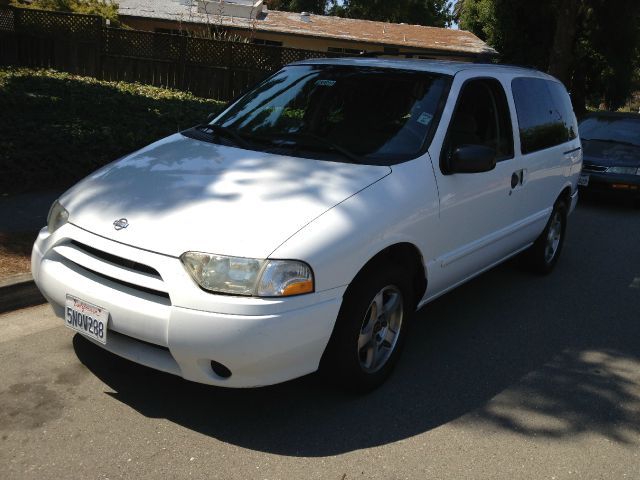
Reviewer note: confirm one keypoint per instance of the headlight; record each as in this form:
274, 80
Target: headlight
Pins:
57, 217
281, 278
249, 276
624, 170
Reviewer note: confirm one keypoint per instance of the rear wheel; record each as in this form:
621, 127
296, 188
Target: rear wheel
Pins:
370, 329
543, 255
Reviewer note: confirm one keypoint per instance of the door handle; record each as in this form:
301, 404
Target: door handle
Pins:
517, 178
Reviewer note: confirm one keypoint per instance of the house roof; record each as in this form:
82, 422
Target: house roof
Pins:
393, 34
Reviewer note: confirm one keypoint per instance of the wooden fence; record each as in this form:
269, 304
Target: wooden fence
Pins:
82, 44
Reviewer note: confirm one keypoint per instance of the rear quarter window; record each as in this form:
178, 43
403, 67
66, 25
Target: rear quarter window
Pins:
545, 114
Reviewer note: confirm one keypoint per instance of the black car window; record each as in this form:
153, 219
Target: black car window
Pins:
481, 118
545, 115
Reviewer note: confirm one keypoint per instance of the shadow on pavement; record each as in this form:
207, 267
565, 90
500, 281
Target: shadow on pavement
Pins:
547, 356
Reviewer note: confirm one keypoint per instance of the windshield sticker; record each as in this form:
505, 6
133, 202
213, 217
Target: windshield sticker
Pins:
425, 118
325, 83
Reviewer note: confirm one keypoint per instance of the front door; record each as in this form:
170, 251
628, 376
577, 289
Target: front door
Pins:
477, 215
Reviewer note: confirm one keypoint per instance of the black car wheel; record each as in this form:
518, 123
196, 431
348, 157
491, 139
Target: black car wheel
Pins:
543, 255
370, 329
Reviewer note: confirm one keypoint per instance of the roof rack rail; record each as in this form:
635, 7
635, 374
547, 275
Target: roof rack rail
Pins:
478, 58
516, 65
484, 58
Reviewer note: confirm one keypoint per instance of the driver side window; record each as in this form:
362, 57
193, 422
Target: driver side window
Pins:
481, 118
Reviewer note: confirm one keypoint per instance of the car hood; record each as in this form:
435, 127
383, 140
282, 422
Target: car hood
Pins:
610, 154
181, 194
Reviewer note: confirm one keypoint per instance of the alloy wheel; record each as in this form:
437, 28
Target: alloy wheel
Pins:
380, 329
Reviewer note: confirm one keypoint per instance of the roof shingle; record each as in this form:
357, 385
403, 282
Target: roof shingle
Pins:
399, 35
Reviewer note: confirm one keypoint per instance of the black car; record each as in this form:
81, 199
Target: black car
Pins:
611, 146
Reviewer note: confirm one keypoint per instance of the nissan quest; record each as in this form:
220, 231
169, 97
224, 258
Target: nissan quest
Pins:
301, 228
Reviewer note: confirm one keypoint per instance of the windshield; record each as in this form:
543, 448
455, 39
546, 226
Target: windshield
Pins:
345, 113
611, 129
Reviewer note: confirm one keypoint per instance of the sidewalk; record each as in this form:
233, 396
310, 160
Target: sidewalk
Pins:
21, 215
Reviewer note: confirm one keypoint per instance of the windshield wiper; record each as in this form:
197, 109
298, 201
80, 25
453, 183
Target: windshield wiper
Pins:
605, 140
276, 139
317, 140
224, 132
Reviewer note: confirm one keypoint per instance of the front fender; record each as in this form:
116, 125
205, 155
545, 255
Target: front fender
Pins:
400, 208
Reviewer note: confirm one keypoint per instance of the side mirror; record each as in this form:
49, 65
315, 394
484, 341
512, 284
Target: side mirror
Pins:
472, 159
210, 117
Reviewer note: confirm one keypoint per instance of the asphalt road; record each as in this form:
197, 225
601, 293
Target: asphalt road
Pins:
511, 376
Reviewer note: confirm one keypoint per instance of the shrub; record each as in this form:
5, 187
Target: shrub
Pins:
56, 128
103, 8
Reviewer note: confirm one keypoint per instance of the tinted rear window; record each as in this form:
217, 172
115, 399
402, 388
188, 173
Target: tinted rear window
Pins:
545, 115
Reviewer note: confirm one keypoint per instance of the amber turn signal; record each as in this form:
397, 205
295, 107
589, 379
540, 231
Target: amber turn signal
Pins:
298, 288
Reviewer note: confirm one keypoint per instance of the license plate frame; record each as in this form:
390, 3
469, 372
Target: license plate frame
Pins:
86, 318
583, 180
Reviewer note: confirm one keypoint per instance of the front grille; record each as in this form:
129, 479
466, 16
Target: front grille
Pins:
138, 288
137, 279
122, 262
593, 168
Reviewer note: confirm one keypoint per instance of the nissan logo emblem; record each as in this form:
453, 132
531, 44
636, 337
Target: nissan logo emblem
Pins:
120, 224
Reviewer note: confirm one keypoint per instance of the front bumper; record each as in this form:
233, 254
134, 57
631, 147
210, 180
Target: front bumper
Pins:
167, 322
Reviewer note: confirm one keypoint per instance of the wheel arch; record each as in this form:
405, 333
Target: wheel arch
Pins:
409, 257
332, 363
565, 196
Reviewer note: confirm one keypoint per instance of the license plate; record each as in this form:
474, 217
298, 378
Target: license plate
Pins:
583, 181
86, 318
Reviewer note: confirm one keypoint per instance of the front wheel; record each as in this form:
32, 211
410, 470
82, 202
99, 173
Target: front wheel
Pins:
543, 255
370, 329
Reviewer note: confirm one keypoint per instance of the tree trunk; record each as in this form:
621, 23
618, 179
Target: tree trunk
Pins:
561, 58
579, 89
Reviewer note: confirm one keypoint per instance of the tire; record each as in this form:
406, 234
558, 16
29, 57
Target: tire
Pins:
370, 329
543, 255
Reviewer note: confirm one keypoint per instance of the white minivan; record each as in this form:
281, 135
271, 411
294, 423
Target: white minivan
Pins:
301, 228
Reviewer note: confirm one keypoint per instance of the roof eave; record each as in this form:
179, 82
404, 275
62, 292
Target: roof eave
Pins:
489, 53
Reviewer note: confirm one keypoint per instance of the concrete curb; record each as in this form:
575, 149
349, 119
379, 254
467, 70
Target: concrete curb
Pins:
19, 291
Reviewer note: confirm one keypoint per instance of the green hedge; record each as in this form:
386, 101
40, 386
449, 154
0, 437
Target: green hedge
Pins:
103, 8
55, 128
